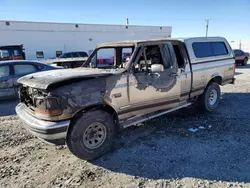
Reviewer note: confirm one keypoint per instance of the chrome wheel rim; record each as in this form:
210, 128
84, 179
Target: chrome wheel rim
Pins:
94, 135
213, 96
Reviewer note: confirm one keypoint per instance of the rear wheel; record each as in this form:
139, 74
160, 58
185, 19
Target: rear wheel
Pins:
67, 65
244, 63
210, 99
92, 135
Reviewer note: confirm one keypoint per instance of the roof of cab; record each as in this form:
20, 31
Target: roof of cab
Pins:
135, 42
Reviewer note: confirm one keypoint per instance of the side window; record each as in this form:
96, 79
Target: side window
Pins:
58, 53
237, 52
39, 54
83, 54
24, 69
68, 55
75, 54
202, 49
241, 52
40, 66
219, 48
151, 55
5, 53
16, 53
4, 71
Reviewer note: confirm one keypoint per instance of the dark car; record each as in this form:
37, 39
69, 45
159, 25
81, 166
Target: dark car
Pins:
10, 71
73, 55
241, 57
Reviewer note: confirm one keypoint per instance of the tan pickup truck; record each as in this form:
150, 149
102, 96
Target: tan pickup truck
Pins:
85, 107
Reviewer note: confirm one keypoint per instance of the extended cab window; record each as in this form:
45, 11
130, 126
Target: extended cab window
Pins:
208, 49
219, 48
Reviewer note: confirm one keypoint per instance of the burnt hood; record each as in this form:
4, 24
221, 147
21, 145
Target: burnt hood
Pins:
43, 80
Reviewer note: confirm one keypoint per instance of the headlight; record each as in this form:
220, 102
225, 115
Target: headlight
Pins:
47, 106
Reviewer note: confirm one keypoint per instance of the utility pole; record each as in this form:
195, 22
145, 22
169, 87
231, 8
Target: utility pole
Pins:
127, 22
240, 44
207, 21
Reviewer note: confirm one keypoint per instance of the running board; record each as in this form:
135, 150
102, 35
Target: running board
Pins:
138, 119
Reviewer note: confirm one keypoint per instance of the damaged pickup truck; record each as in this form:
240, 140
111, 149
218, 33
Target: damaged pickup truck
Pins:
85, 107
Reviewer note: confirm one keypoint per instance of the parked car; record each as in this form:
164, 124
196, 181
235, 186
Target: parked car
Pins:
12, 52
69, 59
85, 107
73, 55
241, 57
10, 71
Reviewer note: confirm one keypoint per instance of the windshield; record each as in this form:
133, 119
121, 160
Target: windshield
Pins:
111, 57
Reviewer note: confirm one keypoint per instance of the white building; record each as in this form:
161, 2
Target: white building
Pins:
50, 38
243, 44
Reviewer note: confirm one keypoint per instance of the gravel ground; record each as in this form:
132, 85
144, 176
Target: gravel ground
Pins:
160, 153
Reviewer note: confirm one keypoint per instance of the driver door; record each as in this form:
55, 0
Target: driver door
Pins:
151, 90
6, 82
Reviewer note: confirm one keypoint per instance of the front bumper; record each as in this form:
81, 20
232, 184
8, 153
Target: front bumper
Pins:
48, 131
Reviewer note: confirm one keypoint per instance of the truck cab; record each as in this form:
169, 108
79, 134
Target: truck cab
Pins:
12, 52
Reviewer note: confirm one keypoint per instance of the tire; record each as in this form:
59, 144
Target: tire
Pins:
67, 65
92, 134
210, 98
244, 63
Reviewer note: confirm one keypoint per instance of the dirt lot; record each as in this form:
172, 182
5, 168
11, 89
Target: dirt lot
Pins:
160, 153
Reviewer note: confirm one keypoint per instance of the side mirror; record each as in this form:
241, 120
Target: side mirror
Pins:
157, 68
1, 54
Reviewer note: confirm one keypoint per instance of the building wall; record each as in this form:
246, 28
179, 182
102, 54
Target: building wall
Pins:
65, 37
245, 45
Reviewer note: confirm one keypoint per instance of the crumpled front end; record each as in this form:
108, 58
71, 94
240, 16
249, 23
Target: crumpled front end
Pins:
47, 113
48, 131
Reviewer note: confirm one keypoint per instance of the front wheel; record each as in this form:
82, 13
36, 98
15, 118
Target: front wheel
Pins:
244, 63
91, 135
210, 99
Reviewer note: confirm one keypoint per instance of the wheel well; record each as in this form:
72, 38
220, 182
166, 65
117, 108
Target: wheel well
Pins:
105, 107
217, 79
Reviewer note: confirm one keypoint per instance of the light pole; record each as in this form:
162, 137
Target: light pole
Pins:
239, 43
207, 25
